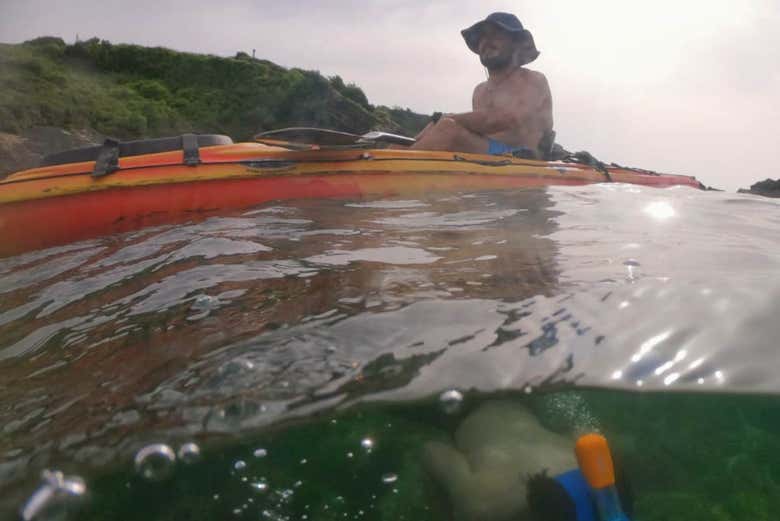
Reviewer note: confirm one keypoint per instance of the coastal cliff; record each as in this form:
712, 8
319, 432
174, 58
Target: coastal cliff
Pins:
55, 96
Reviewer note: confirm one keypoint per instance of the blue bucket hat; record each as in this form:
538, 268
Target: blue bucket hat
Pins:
507, 22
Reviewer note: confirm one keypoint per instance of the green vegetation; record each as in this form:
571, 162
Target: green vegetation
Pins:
129, 91
700, 457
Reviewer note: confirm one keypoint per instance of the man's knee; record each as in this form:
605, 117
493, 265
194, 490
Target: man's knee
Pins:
451, 131
457, 136
448, 126
447, 134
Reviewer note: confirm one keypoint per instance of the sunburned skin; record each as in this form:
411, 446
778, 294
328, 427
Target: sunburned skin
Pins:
514, 105
496, 448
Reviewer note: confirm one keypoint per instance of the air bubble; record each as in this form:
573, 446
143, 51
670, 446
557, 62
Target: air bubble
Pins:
55, 498
239, 465
451, 401
367, 444
189, 453
389, 478
259, 486
260, 453
155, 462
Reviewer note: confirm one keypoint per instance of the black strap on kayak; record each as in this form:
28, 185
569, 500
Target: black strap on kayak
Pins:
586, 158
634, 169
107, 160
189, 143
547, 144
133, 148
603, 169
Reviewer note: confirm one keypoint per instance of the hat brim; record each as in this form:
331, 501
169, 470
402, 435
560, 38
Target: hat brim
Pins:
472, 35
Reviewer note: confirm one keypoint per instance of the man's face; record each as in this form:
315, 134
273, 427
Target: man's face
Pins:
496, 47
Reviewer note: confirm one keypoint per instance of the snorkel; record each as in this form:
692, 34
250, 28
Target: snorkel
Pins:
595, 462
587, 493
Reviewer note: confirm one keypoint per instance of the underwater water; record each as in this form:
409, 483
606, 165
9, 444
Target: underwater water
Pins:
343, 359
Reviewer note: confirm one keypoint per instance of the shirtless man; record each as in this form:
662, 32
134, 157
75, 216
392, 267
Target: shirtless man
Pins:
512, 110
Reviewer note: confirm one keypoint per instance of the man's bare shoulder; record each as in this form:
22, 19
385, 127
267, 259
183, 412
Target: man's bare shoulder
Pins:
533, 77
479, 95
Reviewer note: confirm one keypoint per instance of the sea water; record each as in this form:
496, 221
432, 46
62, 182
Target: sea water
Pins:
296, 360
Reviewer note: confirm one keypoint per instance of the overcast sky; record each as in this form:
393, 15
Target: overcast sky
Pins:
684, 86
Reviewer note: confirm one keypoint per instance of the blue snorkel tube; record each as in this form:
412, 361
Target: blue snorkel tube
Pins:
608, 505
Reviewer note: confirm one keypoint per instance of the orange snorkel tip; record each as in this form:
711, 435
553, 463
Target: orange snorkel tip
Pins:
595, 461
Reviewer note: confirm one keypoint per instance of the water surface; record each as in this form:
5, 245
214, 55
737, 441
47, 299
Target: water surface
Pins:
260, 328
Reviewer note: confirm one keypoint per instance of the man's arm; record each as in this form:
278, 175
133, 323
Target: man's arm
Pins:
545, 106
535, 102
486, 122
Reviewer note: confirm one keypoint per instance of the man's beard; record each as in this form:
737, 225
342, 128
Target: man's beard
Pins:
498, 62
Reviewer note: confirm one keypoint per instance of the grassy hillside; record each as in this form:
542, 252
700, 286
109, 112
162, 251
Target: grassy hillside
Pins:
129, 91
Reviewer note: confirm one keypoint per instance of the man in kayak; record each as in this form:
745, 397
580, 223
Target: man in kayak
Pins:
512, 110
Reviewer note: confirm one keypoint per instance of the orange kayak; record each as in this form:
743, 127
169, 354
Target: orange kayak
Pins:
112, 192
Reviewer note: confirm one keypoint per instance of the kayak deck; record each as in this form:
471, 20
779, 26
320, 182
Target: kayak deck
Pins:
60, 204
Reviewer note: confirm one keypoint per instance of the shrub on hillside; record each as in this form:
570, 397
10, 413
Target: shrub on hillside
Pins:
51, 46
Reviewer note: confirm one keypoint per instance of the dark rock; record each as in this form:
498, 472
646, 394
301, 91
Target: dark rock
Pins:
767, 188
20, 152
15, 154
